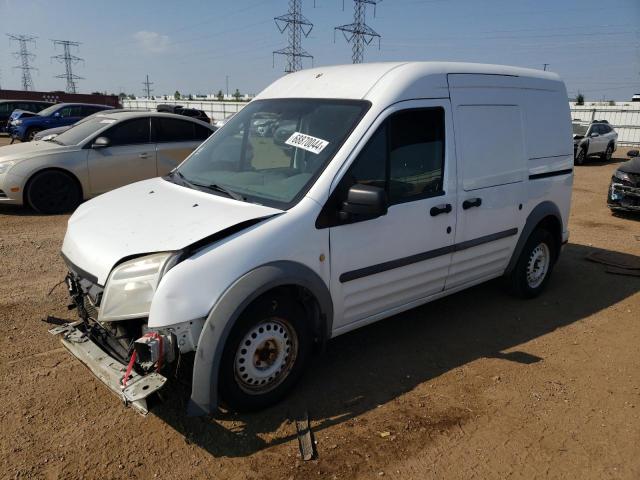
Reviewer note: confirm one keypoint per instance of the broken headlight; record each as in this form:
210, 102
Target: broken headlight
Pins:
131, 286
621, 176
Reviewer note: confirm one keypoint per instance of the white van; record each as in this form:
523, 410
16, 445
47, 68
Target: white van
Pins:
375, 189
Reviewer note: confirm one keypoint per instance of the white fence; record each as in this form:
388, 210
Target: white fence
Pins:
624, 118
214, 110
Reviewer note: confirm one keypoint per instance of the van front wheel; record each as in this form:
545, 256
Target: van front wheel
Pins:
266, 353
531, 273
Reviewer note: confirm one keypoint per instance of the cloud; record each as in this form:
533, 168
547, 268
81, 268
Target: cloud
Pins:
151, 42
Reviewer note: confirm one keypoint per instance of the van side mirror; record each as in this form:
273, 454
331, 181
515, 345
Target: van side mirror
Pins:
101, 142
364, 202
633, 153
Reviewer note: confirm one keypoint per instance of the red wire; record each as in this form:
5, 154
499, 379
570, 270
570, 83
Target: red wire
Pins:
132, 360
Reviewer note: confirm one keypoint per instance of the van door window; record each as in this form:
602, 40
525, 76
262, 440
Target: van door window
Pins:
405, 156
416, 154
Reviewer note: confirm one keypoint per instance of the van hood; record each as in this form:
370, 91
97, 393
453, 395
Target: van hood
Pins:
27, 150
145, 217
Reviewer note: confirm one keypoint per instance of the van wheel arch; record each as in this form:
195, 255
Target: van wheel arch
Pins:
283, 276
545, 215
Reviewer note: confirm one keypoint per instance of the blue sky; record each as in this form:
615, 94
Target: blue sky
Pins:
193, 45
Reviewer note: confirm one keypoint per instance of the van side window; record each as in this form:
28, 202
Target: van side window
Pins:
416, 154
405, 156
370, 166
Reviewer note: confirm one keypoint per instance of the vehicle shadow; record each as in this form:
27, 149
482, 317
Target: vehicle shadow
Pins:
23, 211
376, 364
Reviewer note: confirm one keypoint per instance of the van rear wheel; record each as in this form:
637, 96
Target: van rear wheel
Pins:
265, 354
531, 273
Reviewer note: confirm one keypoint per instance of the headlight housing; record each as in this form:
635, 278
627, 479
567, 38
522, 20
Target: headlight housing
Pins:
132, 284
621, 176
17, 122
5, 166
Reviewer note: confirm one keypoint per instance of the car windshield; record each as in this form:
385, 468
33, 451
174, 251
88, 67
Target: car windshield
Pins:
272, 150
81, 130
579, 129
49, 110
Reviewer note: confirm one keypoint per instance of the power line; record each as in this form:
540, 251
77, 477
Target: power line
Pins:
358, 33
69, 60
298, 26
25, 58
147, 87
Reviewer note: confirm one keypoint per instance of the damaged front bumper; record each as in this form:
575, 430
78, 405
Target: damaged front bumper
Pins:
110, 371
623, 197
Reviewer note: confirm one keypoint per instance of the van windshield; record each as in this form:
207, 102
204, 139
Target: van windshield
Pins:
272, 150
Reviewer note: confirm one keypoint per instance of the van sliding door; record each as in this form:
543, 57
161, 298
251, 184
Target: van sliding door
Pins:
488, 124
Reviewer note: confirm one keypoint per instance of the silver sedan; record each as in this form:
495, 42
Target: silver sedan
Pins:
95, 156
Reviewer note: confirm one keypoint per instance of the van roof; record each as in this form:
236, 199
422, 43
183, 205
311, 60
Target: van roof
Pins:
394, 81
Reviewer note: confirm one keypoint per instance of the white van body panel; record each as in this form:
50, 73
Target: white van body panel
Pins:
190, 289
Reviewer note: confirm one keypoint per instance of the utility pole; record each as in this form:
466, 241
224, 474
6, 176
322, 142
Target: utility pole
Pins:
545, 65
298, 26
25, 58
147, 87
69, 60
358, 33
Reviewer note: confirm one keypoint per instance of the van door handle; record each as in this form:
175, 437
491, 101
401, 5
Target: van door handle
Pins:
438, 209
470, 203
143, 155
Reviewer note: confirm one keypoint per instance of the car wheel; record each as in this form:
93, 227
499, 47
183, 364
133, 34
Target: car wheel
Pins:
265, 354
581, 156
31, 134
53, 191
607, 154
531, 273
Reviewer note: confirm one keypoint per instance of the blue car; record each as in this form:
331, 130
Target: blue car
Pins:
24, 125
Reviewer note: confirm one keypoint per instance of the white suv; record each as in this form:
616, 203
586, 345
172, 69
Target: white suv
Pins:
597, 138
400, 183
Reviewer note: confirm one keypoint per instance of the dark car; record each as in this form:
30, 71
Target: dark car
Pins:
61, 114
187, 112
8, 106
50, 133
624, 191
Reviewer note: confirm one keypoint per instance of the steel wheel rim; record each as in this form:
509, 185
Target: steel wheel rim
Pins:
265, 356
538, 265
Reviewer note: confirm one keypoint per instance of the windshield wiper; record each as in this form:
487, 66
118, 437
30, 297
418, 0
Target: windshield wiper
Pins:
215, 187
226, 191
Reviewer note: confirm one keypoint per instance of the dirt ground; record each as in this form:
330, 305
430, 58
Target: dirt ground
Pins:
476, 385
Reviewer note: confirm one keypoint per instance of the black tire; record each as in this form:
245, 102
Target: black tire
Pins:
607, 154
30, 134
53, 191
282, 319
581, 156
522, 282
